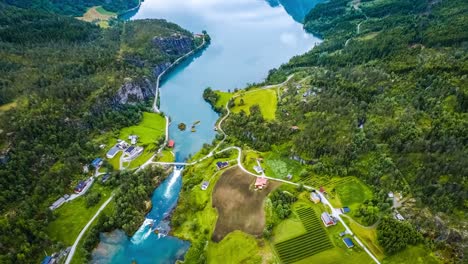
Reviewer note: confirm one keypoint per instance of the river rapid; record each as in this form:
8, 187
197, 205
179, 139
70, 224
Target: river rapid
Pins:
248, 38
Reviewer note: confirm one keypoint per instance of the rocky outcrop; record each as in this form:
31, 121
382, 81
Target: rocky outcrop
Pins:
134, 91
175, 45
158, 69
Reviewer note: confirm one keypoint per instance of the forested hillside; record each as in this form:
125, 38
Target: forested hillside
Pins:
388, 103
73, 7
61, 76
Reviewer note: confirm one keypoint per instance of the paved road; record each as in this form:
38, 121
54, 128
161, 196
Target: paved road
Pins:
155, 103
83, 231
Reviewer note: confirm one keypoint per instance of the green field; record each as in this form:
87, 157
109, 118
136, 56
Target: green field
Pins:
224, 98
236, 247
266, 99
80, 253
412, 255
288, 229
314, 241
73, 216
352, 193
279, 167
368, 236
149, 131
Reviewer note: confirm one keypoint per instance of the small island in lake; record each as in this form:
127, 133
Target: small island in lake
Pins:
182, 126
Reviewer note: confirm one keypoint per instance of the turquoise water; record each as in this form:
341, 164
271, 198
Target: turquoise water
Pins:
249, 37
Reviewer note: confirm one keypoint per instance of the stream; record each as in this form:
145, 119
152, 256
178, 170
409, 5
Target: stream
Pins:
248, 38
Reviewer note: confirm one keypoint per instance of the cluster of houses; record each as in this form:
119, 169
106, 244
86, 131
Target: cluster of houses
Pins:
130, 151
80, 188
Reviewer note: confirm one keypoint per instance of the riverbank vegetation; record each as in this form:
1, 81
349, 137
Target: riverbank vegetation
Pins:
383, 99
64, 75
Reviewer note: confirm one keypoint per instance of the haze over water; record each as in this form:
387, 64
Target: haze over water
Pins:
249, 37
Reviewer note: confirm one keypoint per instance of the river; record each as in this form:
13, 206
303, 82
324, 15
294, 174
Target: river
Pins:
249, 37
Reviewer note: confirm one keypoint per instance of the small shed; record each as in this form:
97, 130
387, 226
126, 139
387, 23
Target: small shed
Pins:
345, 210
258, 169
171, 143
205, 185
96, 162
348, 242
222, 164
105, 177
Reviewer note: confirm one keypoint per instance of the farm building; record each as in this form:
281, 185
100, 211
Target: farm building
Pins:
112, 152
345, 210
96, 162
122, 144
105, 177
133, 152
261, 182
327, 219
258, 169
205, 185
133, 139
171, 143
81, 185
222, 164
399, 217
289, 176
390, 195
58, 203
348, 242
314, 197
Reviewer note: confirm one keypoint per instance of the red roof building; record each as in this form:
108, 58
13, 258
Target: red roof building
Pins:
322, 190
171, 143
261, 182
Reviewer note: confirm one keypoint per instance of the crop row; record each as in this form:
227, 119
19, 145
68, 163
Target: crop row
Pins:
302, 247
314, 241
309, 219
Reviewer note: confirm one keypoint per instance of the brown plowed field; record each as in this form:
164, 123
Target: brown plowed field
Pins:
239, 206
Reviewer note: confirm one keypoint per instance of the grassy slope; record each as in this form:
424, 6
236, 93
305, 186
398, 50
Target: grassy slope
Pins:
266, 99
99, 14
149, 130
236, 247
412, 255
223, 99
80, 253
73, 216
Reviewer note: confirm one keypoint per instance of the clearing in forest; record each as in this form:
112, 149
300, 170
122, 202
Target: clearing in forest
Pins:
239, 206
99, 14
265, 98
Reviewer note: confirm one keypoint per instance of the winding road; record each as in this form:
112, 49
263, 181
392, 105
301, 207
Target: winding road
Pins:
83, 231
334, 211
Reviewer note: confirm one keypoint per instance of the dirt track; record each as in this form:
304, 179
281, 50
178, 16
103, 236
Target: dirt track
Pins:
239, 206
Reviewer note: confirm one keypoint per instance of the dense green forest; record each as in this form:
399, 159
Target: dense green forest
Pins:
388, 103
62, 74
73, 7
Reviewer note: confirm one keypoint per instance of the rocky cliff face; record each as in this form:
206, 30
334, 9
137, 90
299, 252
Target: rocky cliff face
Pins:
134, 90
141, 89
175, 45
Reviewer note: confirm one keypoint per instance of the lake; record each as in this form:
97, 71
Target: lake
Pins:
248, 38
